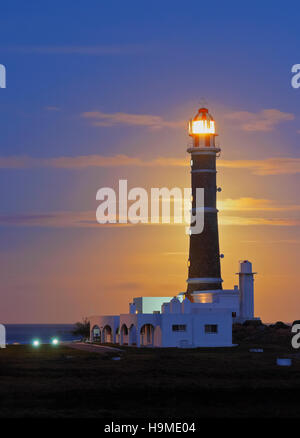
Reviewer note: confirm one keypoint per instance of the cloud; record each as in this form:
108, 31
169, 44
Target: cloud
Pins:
247, 221
85, 161
87, 219
99, 118
269, 166
264, 120
52, 108
62, 219
263, 242
249, 204
254, 204
77, 50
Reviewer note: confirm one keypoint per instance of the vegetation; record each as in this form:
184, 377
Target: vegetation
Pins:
82, 329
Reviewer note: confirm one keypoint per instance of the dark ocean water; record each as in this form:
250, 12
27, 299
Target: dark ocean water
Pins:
25, 333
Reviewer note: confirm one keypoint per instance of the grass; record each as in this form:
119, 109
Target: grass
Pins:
61, 382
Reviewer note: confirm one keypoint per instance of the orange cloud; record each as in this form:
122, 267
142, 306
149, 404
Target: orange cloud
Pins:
242, 205
254, 204
264, 120
269, 166
87, 219
85, 161
243, 221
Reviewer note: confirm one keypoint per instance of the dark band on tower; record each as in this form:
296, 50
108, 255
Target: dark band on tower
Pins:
204, 255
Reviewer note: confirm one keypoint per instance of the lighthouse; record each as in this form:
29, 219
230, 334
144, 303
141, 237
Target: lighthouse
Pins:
204, 272
203, 315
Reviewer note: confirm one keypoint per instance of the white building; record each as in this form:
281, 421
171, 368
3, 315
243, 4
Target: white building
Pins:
178, 322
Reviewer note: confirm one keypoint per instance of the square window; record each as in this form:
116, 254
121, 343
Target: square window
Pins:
211, 328
179, 328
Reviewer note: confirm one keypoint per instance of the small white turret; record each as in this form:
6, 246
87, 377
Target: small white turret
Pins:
246, 286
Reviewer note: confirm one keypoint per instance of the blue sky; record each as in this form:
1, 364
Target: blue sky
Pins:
66, 60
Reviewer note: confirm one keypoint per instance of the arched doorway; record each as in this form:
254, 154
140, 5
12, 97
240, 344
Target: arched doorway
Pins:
96, 333
132, 335
124, 335
107, 334
147, 335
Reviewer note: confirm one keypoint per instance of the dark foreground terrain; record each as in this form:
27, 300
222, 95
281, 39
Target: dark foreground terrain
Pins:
61, 382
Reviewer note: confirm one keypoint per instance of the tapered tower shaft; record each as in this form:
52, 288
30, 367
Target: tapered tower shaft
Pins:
204, 256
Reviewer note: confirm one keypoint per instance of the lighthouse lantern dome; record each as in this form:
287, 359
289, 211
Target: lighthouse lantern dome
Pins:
202, 123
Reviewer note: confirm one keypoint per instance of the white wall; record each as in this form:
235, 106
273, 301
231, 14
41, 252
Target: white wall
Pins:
195, 335
223, 319
175, 339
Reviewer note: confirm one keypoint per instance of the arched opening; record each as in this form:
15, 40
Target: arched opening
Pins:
117, 335
132, 335
124, 335
147, 335
107, 334
96, 333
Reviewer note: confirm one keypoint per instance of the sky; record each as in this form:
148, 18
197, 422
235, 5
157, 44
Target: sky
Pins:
101, 91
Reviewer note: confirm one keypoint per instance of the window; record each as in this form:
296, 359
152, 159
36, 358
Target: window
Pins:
211, 328
179, 328
207, 140
233, 314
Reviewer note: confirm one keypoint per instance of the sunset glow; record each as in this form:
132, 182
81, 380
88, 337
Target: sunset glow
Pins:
99, 107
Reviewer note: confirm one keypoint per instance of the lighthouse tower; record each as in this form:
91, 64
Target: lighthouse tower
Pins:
204, 273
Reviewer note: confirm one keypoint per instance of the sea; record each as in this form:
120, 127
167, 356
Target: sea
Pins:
26, 333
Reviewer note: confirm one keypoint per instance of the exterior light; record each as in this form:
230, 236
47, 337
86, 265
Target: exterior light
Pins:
55, 341
202, 127
202, 123
36, 343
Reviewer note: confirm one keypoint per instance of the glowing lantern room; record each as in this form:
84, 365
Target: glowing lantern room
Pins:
202, 129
